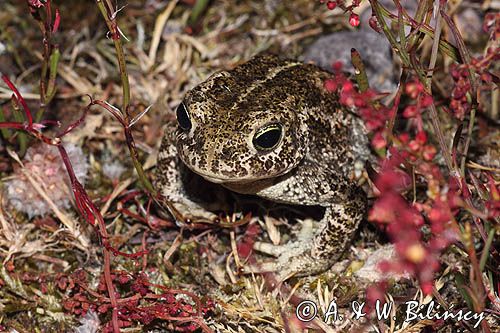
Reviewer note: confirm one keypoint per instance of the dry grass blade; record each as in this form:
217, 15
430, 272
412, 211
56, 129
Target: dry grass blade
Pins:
158, 30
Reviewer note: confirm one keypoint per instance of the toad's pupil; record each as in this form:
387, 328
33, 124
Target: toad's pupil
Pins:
183, 117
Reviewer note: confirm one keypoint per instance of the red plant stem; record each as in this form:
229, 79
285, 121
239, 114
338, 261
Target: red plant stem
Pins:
76, 123
111, 289
48, 10
32, 131
57, 21
128, 213
111, 110
145, 257
13, 125
90, 211
19, 98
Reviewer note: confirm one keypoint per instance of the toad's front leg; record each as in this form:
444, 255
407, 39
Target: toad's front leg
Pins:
175, 183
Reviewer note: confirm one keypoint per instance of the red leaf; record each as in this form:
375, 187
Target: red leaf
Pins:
57, 21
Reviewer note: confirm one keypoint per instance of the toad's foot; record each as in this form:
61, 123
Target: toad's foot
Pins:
294, 258
191, 212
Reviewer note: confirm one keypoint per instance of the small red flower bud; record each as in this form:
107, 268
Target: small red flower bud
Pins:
331, 5
414, 145
337, 66
426, 101
421, 137
378, 141
404, 137
410, 111
429, 152
354, 20
412, 89
330, 85
427, 287
347, 87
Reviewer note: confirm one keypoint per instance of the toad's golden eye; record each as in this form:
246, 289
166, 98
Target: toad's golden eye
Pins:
267, 137
183, 117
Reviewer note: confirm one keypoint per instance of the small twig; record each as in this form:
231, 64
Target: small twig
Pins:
395, 106
434, 52
377, 10
428, 84
120, 55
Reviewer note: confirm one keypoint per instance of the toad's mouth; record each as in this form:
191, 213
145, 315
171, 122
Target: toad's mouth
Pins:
232, 179
242, 184
229, 177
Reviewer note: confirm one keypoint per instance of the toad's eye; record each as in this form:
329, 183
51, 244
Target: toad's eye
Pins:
267, 137
183, 117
